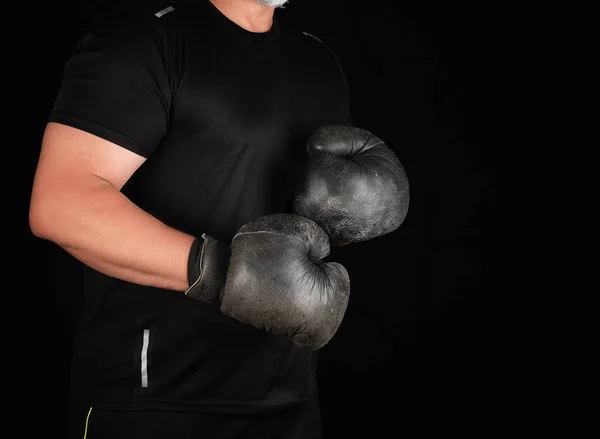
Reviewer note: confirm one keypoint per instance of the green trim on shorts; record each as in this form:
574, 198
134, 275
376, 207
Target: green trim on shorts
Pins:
86, 422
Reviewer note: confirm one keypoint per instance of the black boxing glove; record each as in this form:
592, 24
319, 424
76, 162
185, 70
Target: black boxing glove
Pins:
208, 261
353, 185
277, 280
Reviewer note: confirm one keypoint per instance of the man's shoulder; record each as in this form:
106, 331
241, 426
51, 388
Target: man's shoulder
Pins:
311, 35
310, 40
136, 14
300, 34
149, 8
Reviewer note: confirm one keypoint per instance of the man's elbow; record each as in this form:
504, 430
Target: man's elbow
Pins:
47, 215
39, 221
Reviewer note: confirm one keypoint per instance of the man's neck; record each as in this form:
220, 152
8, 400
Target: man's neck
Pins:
248, 14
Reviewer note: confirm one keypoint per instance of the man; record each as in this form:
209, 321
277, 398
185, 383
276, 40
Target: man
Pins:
178, 136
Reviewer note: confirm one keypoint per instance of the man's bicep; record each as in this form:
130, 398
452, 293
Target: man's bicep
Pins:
69, 152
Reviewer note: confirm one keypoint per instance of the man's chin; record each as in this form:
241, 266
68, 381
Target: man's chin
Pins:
273, 3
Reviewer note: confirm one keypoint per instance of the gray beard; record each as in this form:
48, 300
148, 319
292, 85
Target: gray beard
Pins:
273, 3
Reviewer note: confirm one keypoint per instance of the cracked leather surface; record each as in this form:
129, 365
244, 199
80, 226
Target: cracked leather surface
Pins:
353, 185
278, 282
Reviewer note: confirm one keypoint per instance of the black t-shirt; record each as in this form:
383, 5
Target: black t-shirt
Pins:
222, 116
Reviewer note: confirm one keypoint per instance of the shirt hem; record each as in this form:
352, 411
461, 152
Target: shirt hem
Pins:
223, 408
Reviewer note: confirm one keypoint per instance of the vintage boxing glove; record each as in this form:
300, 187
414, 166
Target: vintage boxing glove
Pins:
277, 280
353, 185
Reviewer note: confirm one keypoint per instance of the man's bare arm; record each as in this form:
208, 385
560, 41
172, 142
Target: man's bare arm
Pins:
77, 204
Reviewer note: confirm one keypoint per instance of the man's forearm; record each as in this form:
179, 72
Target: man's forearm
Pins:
109, 233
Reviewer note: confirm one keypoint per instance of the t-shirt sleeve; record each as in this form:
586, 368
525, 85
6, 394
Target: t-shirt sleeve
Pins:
349, 121
116, 85
342, 73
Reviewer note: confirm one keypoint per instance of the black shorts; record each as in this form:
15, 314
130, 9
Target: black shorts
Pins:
295, 423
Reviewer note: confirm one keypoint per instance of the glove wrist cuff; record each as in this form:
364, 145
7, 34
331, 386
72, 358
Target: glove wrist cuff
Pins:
194, 264
207, 267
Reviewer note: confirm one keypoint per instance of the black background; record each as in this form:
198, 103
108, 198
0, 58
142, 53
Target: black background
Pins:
443, 335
